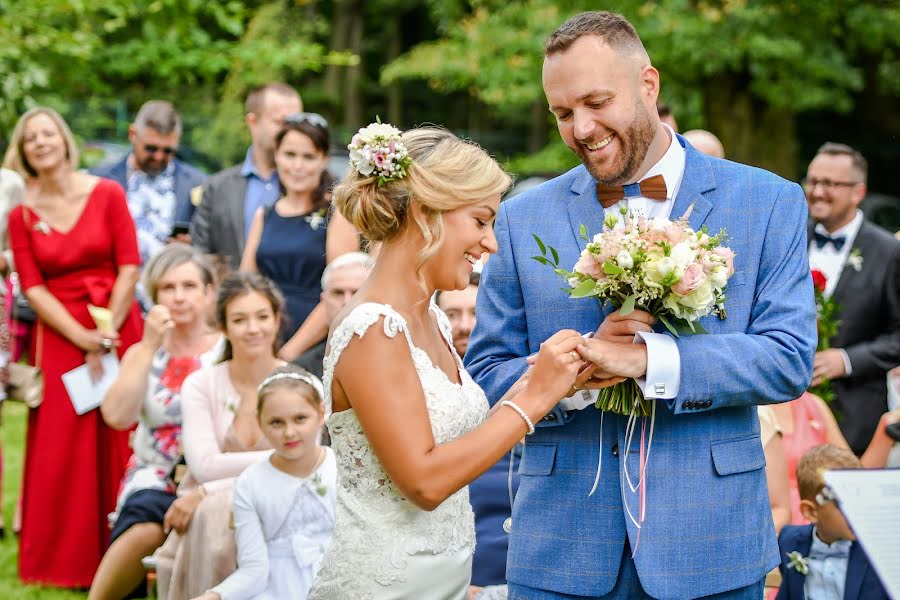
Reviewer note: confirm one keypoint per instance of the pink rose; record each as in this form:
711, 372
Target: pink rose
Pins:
379, 160
674, 234
588, 265
728, 255
693, 276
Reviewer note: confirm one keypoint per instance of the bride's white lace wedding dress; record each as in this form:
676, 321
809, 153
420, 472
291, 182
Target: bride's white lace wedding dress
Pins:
384, 547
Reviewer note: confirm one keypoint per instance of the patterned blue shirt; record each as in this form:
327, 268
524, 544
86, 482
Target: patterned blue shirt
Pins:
151, 200
827, 569
260, 192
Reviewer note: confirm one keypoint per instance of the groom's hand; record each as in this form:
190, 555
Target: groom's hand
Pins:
613, 360
617, 328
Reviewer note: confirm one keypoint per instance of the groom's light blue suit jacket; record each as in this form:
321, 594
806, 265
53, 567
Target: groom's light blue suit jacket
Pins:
708, 525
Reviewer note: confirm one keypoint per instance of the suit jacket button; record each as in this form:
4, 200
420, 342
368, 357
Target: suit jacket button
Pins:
615, 450
708, 403
685, 405
549, 417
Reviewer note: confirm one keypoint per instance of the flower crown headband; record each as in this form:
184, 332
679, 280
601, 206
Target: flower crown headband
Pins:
377, 151
309, 379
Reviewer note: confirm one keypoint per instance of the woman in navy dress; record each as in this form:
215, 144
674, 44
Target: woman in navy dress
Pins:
291, 241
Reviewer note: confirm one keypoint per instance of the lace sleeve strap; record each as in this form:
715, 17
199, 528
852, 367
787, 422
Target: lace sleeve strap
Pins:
356, 323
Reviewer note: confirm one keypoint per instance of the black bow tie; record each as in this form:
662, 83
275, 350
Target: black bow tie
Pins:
822, 239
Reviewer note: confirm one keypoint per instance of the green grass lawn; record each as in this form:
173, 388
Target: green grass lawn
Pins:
13, 434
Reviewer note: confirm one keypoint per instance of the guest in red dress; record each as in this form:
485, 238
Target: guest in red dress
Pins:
74, 244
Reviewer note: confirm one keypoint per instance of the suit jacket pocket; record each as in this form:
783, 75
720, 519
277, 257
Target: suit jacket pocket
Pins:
538, 459
738, 456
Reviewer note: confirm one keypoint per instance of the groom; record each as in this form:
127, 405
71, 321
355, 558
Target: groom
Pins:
707, 530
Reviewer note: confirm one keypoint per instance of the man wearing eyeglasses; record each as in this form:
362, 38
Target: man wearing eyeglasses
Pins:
158, 186
231, 197
861, 263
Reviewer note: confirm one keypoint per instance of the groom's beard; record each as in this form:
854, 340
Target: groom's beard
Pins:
634, 143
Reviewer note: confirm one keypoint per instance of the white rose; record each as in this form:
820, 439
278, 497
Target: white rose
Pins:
701, 298
365, 167
665, 265
624, 260
718, 277
683, 254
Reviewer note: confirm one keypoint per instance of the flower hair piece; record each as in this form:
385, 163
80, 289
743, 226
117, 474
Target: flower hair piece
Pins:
307, 378
377, 151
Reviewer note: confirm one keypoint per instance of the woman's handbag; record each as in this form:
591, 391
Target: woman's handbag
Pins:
26, 383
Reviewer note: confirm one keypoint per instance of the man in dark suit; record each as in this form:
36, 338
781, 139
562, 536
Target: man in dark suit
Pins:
861, 263
158, 185
230, 198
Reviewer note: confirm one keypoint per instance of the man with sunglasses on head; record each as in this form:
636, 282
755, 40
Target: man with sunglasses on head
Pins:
231, 197
861, 263
158, 185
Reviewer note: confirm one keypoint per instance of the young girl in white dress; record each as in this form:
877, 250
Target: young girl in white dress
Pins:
283, 506
408, 425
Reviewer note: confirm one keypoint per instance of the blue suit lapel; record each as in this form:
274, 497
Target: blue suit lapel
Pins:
583, 207
797, 580
698, 178
856, 571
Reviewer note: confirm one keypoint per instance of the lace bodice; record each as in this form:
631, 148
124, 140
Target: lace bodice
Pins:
375, 523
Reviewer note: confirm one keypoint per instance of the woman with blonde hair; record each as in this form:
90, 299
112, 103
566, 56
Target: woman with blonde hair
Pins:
74, 245
177, 341
409, 427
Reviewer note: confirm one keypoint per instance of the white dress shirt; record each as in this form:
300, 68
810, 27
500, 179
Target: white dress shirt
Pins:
663, 375
831, 262
827, 575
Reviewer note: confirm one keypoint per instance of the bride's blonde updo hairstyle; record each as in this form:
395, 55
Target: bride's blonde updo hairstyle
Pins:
445, 173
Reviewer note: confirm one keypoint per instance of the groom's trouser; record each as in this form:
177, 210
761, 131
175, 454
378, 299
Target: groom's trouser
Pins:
628, 587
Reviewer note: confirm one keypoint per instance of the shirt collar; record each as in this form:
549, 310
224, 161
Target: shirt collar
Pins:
670, 166
248, 169
130, 169
819, 549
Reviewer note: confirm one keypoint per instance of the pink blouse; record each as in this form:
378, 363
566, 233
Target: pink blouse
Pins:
809, 432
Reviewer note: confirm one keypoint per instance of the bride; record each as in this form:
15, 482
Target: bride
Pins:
408, 425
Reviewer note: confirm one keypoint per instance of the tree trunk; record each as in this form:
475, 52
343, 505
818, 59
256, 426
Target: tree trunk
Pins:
340, 33
394, 89
537, 126
751, 131
353, 111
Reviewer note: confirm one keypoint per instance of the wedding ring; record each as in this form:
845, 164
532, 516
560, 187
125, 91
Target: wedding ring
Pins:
106, 343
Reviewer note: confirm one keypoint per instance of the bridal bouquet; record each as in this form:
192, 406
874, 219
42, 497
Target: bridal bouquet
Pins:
663, 267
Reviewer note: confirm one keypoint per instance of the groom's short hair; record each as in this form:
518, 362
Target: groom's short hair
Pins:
612, 28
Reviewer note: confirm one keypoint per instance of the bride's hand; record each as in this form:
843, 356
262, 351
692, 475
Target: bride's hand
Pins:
555, 367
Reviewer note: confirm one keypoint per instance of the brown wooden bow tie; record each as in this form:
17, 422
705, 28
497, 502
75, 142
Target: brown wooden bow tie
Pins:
652, 187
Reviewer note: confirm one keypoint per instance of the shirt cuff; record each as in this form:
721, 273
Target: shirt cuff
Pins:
663, 366
579, 400
848, 368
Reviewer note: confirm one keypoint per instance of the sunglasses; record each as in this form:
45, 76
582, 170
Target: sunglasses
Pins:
153, 149
314, 119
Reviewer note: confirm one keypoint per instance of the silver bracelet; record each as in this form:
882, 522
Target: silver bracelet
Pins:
522, 414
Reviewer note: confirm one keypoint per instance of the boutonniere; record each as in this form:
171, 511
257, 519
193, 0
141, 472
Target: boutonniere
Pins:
798, 562
317, 218
319, 485
855, 260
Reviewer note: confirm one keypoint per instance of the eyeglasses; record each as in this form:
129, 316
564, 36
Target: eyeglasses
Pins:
314, 119
810, 183
153, 149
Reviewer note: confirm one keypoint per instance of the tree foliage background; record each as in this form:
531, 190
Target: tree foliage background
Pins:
773, 78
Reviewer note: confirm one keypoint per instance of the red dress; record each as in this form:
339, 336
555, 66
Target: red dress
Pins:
73, 464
